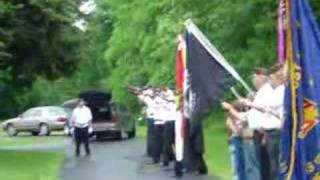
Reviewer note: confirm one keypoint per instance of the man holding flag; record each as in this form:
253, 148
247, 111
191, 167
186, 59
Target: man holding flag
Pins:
203, 75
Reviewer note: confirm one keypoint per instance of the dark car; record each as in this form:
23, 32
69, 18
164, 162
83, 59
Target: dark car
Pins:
109, 119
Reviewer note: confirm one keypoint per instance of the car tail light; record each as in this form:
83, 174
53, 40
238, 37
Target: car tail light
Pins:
61, 119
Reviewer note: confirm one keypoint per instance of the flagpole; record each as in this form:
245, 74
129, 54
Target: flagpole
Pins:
235, 93
191, 27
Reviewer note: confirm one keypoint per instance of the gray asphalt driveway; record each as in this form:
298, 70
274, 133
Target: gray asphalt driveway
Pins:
116, 160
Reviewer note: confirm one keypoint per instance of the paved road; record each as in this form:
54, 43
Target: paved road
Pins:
116, 160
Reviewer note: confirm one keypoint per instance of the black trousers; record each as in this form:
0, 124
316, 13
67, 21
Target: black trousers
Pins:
150, 132
168, 142
194, 149
157, 142
200, 164
82, 136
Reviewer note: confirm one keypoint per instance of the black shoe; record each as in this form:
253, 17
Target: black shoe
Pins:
88, 153
178, 174
156, 160
203, 171
178, 169
166, 164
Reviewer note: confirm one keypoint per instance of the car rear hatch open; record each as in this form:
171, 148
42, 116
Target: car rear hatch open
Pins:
99, 104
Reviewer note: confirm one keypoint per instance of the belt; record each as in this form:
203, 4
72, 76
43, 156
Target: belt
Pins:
273, 131
248, 140
84, 125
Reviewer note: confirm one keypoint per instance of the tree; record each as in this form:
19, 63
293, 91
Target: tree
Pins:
37, 39
142, 47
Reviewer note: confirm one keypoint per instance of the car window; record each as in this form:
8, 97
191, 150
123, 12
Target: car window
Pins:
56, 111
32, 112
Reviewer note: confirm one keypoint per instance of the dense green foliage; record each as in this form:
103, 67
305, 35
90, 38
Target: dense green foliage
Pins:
142, 47
37, 39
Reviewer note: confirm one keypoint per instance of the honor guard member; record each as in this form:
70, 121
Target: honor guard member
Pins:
159, 121
147, 97
169, 128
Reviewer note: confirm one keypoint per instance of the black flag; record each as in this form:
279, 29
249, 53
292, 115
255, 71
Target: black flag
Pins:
208, 78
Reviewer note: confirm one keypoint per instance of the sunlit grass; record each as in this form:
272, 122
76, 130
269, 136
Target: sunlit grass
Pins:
142, 131
217, 149
20, 165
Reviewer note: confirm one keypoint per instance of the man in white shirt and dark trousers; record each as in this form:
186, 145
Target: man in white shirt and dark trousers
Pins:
169, 127
147, 98
159, 121
81, 119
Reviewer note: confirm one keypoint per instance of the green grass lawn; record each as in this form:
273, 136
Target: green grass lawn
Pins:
26, 139
27, 165
142, 131
217, 154
217, 149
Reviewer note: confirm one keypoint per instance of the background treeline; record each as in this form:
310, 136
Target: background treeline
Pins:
44, 60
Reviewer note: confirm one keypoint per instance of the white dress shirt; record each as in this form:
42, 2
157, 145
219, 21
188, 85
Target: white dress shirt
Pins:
150, 104
256, 118
81, 117
276, 106
267, 97
172, 113
159, 111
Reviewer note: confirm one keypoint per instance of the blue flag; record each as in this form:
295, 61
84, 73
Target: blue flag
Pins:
300, 141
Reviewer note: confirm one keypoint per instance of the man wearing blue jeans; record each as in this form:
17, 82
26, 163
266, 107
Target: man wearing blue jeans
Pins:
237, 158
236, 151
244, 152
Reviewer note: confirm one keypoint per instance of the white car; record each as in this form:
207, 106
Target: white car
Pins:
38, 121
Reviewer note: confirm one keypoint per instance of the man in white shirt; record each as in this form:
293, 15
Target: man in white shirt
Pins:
147, 97
159, 121
245, 152
172, 114
81, 119
267, 114
154, 102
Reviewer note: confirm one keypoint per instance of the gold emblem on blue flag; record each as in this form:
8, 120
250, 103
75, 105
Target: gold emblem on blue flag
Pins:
310, 115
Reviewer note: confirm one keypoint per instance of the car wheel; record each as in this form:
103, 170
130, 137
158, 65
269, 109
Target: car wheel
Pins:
121, 135
99, 137
117, 136
11, 131
44, 130
35, 133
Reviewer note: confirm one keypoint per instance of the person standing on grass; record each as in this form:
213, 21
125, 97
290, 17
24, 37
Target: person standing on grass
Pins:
81, 119
235, 127
272, 108
244, 149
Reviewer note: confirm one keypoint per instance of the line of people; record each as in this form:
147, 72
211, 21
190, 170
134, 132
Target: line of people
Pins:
254, 124
161, 114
